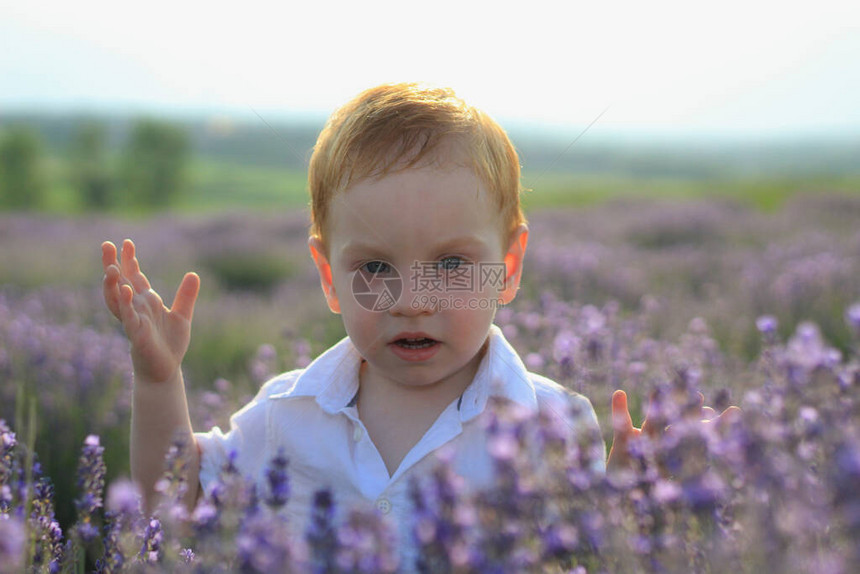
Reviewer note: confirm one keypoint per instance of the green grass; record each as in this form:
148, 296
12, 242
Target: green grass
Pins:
215, 186
551, 190
212, 186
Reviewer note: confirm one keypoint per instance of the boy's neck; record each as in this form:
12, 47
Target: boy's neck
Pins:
397, 416
393, 395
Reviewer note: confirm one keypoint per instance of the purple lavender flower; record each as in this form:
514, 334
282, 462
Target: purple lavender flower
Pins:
123, 520
321, 535
13, 544
263, 543
174, 483
232, 492
7, 445
153, 536
123, 498
263, 365
302, 351
846, 499
534, 361
113, 559
205, 515
775, 492
432, 556
565, 348
366, 545
187, 556
852, 317
703, 492
91, 480
767, 325
48, 535
443, 517
277, 481
9, 468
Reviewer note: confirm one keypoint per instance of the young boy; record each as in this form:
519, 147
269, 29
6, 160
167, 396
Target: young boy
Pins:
418, 236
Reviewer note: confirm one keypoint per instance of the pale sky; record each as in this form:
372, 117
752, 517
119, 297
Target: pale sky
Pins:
727, 67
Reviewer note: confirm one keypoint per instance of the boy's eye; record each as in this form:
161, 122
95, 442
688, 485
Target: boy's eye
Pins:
449, 263
375, 267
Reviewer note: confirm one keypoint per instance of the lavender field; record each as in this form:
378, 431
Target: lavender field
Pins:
667, 299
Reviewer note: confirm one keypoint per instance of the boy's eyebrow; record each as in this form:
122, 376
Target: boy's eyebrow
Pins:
464, 241
358, 247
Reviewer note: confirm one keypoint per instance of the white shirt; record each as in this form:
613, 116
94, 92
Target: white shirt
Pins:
311, 414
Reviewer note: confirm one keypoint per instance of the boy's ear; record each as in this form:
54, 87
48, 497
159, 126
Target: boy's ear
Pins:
324, 268
514, 263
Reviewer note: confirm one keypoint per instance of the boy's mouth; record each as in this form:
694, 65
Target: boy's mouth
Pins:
414, 347
419, 343
413, 340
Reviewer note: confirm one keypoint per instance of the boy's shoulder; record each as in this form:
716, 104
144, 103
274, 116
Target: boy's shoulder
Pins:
549, 393
280, 385
515, 380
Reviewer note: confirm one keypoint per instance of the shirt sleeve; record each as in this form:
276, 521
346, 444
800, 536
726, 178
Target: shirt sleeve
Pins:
214, 446
576, 413
588, 430
247, 439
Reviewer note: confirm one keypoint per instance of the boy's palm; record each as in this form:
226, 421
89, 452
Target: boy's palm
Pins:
159, 336
624, 431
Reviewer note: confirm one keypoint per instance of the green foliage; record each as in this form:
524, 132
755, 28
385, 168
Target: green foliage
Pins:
249, 271
261, 165
223, 185
675, 233
21, 182
155, 163
89, 167
224, 351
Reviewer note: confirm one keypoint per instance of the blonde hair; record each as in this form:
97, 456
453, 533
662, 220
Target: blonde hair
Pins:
395, 126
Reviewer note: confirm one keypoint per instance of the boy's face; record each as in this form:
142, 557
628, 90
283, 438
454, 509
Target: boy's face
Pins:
419, 253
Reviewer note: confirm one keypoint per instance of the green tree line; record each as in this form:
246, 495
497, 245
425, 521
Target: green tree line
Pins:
150, 172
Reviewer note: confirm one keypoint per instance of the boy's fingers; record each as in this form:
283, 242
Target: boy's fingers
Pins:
728, 417
622, 424
623, 430
708, 413
110, 284
129, 317
700, 400
649, 427
108, 254
131, 268
111, 289
186, 296
153, 299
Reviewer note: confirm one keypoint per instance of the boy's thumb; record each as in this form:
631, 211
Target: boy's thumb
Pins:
621, 421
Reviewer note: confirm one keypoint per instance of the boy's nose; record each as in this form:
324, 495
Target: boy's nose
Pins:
415, 300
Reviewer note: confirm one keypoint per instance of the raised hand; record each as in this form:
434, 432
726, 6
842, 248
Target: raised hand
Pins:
624, 431
159, 336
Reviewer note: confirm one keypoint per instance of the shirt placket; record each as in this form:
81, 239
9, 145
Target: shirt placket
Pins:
372, 475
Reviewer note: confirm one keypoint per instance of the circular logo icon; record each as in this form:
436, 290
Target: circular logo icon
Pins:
378, 290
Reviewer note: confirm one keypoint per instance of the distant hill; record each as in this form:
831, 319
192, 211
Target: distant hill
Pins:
288, 143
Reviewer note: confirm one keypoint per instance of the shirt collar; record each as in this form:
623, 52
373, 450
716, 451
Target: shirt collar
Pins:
332, 378
501, 374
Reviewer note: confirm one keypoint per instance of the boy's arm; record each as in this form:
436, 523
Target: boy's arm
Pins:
159, 416
159, 338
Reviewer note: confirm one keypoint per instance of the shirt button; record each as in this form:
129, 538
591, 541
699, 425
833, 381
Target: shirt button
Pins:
357, 433
383, 505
